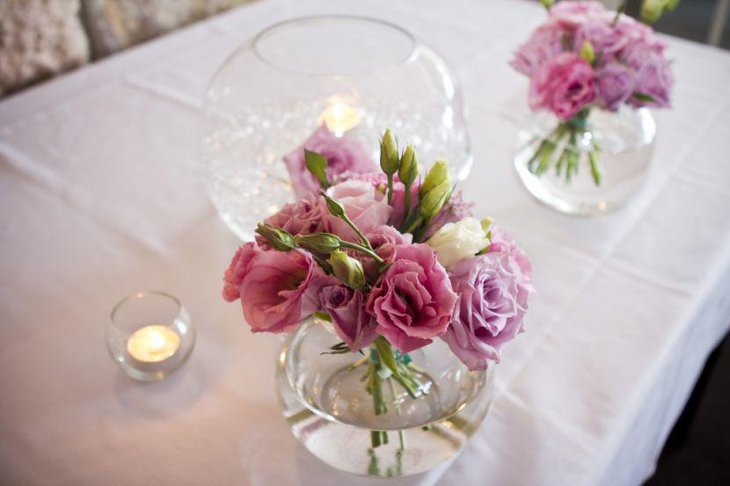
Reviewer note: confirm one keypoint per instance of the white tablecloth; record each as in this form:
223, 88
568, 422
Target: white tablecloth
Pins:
101, 193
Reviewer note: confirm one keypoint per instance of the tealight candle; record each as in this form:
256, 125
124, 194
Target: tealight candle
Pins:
340, 117
150, 335
152, 344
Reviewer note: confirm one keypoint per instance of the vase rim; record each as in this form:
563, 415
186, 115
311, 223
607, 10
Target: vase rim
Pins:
388, 55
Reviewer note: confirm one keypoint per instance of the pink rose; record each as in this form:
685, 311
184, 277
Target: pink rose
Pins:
346, 307
364, 205
271, 286
564, 86
343, 155
492, 302
301, 217
413, 301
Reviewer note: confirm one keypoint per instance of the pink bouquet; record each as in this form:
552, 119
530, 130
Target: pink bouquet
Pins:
392, 260
584, 57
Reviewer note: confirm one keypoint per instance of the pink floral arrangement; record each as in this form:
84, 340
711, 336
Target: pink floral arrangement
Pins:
586, 57
392, 260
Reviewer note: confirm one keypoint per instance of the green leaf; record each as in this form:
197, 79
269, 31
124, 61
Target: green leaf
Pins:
644, 98
317, 165
324, 317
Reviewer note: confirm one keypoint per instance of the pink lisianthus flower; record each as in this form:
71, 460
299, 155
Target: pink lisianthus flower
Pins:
343, 155
271, 285
492, 301
299, 218
412, 302
564, 86
383, 239
364, 205
570, 15
237, 270
544, 45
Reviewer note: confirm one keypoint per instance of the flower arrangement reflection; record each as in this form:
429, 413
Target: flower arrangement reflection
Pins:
583, 58
391, 259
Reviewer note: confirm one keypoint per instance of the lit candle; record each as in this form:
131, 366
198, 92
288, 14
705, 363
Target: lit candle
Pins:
340, 117
153, 344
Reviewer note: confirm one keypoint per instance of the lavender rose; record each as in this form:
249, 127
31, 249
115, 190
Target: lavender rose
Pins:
564, 86
346, 307
343, 155
492, 301
412, 302
271, 285
501, 241
615, 84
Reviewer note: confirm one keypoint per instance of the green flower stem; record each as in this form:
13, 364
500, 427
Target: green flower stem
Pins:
368, 251
412, 225
407, 202
385, 364
390, 188
595, 165
572, 156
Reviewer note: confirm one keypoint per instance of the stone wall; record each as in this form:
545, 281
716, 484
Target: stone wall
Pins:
38, 39
42, 38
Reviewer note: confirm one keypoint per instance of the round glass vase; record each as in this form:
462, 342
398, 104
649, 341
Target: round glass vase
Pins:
330, 410
620, 144
356, 75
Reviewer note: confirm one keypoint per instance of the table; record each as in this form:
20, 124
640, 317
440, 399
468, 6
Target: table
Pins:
102, 193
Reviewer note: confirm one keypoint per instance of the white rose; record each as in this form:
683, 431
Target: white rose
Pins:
456, 241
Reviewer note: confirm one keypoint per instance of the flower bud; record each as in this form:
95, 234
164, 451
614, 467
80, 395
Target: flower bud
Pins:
486, 223
278, 238
434, 200
652, 10
320, 242
408, 170
347, 269
587, 52
389, 159
335, 207
438, 174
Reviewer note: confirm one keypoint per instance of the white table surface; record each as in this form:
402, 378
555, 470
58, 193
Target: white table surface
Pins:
102, 193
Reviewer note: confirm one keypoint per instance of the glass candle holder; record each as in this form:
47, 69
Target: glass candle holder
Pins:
150, 335
356, 75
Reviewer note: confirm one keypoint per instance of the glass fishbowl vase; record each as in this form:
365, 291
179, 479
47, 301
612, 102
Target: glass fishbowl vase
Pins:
356, 75
590, 169
329, 402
